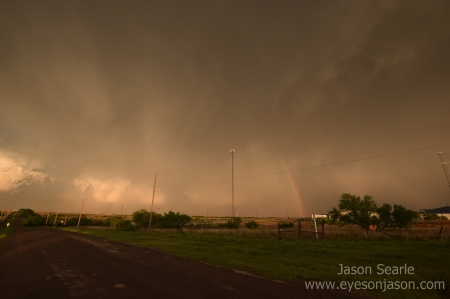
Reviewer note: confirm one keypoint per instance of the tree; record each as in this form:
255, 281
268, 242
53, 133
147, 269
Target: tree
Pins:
354, 210
142, 217
25, 213
34, 220
401, 217
384, 216
365, 212
171, 219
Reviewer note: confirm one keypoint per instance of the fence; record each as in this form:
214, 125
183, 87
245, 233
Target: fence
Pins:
300, 231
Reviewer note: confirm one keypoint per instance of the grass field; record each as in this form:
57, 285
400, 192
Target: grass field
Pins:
288, 259
6, 231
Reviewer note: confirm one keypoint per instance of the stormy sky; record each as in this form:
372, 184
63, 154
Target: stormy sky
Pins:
318, 98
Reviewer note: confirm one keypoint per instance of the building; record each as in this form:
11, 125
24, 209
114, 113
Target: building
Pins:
319, 216
444, 211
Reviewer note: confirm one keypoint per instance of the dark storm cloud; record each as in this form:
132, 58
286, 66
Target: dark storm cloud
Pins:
102, 94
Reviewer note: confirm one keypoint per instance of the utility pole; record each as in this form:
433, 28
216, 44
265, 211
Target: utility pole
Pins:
48, 215
444, 165
65, 220
256, 213
286, 213
232, 151
153, 199
207, 210
81, 211
121, 211
56, 217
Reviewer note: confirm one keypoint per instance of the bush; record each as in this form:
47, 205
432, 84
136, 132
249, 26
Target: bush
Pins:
73, 221
252, 224
171, 219
26, 213
430, 216
34, 220
286, 224
84, 221
142, 217
232, 223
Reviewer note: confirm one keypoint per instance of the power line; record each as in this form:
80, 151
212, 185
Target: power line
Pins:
312, 167
294, 143
310, 139
294, 170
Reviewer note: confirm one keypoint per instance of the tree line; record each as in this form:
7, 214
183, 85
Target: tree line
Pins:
140, 219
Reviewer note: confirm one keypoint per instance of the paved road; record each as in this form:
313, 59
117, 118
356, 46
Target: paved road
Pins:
50, 263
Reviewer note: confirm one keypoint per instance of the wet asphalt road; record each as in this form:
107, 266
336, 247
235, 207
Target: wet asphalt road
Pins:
50, 263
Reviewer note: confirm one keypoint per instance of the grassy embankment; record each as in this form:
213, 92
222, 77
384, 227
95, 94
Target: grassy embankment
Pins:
303, 259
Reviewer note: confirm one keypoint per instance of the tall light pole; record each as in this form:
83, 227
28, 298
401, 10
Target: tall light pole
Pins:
153, 199
232, 151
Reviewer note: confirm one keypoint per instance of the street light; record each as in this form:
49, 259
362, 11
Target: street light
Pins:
232, 151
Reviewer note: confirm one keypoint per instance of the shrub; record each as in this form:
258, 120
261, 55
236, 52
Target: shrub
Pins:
73, 221
234, 222
142, 217
34, 220
252, 224
286, 224
430, 216
26, 213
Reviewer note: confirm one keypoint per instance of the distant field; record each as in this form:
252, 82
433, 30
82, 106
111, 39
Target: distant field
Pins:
289, 259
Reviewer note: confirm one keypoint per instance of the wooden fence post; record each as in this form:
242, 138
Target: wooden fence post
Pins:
323, 229
299, 228
440, 231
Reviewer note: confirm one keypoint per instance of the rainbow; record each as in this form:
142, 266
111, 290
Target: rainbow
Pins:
296, 191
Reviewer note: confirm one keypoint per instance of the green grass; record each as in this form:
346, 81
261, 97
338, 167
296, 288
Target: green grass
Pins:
302, 259
6, 232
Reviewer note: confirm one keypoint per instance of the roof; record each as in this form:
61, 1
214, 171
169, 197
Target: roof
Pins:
443, 210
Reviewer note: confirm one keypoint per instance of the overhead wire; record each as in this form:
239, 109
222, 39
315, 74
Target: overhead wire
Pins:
298, 142
308, 168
